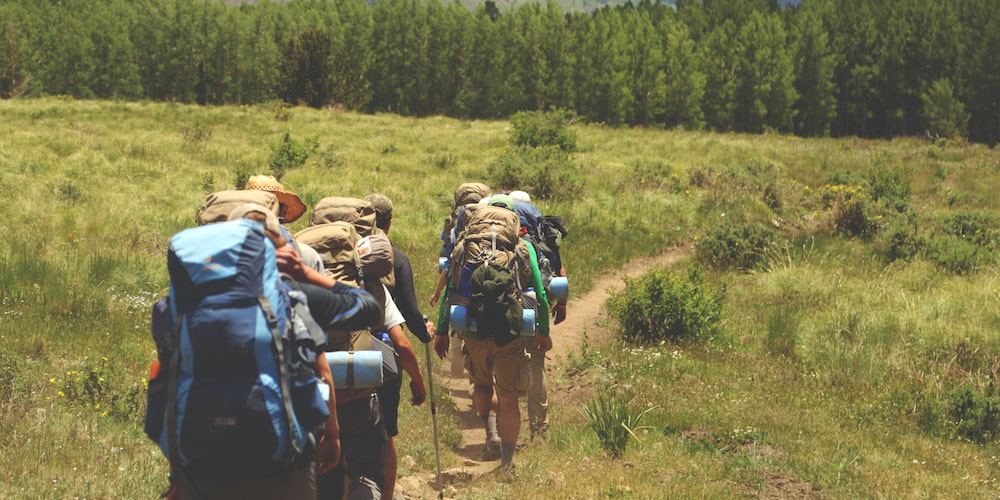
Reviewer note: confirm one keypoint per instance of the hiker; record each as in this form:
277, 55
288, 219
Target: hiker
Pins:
205, 463
489, 289
290, 208
404, 295
550, 265
343, 231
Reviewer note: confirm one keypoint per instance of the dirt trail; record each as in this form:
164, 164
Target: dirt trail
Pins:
584, 314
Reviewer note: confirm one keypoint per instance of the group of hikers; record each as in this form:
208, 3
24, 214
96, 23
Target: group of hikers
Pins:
279, 356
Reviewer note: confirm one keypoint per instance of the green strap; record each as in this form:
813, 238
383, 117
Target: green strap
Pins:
543, 300
443, 321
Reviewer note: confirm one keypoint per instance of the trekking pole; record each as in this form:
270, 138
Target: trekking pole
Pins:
430, 390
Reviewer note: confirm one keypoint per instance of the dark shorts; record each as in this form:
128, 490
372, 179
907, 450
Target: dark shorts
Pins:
363, 453
388, 398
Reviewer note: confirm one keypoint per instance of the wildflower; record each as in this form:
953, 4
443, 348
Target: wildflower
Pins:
61, 393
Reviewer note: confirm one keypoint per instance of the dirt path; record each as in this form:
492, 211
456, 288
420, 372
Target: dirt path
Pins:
584, 315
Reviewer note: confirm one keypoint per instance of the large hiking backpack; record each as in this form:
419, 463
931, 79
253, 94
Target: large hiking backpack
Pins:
354, 252
490, 268
466, 200
236, 383
544, 234
218, 205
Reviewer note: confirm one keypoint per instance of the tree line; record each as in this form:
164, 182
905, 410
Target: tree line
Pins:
877, 68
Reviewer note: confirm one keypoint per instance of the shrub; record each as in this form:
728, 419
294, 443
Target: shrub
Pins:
974, 414
614, 420
954, 254
734, 246
289, 154
538, 129
851, 211
664, 305
901, 239
888, 185
545, 172
654, 175
980, 229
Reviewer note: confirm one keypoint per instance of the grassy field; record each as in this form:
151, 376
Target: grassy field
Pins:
854, 357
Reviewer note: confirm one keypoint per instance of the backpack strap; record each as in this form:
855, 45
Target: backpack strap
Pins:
173, 446
286, 395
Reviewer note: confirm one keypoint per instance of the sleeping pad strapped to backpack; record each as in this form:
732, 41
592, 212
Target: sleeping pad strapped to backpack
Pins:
236, 383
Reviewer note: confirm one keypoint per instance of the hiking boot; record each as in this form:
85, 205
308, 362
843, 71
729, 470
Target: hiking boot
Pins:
540, 433
492, 449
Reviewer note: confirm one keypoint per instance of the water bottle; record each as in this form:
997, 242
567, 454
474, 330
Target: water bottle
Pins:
529, 302
384, 337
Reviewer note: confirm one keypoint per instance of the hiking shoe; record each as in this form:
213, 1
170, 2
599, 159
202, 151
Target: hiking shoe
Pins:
492, 449
506, 469
540, 433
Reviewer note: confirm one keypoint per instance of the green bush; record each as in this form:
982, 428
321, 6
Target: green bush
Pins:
980, 229
654, 175
734, 246
664, 305
955, 254
546, 172
888, 185
538, 129
974, 414
289, 154
901, 239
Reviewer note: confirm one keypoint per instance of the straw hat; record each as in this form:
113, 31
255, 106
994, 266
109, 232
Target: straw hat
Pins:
292, 205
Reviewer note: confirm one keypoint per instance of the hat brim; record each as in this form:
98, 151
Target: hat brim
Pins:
294, 207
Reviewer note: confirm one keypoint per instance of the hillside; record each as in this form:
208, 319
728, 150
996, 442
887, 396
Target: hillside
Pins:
834, 334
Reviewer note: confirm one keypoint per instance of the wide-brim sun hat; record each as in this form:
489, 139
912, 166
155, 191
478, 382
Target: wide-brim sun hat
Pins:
294, 206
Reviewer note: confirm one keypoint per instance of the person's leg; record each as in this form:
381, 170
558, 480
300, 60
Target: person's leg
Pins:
479, 364
538, 400
388, 396
391, 463
513, 377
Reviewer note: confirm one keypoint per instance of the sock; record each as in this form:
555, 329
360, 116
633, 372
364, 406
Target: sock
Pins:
507, 453
490, 423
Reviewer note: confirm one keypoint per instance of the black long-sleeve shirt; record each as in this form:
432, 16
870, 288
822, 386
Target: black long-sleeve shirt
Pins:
405, 297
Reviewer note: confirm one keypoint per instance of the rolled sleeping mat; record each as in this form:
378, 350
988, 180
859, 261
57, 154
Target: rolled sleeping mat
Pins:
461, 320
355, 369
559, 288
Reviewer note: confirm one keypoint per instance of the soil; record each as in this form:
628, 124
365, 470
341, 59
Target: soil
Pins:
584, 314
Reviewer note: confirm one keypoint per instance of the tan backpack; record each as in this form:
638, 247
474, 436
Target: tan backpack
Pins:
359, 212
217, 206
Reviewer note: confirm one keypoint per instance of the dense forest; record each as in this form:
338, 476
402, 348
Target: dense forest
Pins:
876, 68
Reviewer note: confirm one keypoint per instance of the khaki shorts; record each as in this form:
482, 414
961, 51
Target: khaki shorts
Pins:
505, 368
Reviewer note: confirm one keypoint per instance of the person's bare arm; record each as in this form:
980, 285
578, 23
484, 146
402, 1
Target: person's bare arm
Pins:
408, 360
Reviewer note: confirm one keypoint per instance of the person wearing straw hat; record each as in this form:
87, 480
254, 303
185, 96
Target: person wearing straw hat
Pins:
290, 208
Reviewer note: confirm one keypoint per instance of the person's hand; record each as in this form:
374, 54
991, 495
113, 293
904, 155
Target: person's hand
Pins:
290, 262
431, 329
441, 345
327, 453
543, 343
558, 313
418, 392
435, 297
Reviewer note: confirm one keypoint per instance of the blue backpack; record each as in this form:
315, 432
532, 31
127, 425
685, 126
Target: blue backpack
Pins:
234, 347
